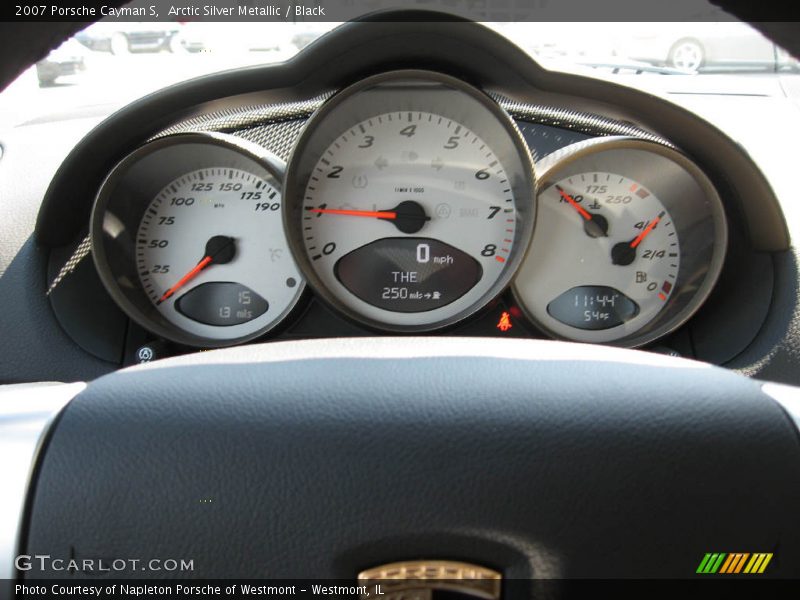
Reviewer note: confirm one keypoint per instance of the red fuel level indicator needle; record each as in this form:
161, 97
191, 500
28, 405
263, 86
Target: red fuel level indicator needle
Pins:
646, 231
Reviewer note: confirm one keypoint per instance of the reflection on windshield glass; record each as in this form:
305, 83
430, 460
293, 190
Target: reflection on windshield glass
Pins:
112, 63
672, 48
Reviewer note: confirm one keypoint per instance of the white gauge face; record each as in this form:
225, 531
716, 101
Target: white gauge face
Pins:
604, 260
212, 256
409, 218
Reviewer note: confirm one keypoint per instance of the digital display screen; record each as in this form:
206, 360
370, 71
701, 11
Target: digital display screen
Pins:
408, 274
593, 307
221, 303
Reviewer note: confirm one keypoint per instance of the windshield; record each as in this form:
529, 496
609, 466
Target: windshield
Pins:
110, 64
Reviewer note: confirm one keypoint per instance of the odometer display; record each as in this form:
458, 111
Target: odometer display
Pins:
413, 217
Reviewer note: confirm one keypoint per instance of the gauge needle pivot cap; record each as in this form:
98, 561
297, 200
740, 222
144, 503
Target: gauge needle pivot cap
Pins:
594, 225
624, 253
219, 250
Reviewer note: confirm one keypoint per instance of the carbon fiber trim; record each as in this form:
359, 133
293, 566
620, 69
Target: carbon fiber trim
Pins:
278, 138
235, 120
588, 123
276, 128
81, 252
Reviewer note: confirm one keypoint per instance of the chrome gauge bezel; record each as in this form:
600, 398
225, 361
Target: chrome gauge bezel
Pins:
126, 193
681, 186
410, 91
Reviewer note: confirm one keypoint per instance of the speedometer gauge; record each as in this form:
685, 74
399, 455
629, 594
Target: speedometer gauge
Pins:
629, 241
410, 200
188, 238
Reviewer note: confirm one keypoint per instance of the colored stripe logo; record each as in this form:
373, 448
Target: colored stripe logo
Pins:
734, 563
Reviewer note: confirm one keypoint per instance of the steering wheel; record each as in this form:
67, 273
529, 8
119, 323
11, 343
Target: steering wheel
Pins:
320, 459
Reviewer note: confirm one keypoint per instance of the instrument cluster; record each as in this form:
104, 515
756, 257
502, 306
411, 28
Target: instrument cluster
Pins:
410, 202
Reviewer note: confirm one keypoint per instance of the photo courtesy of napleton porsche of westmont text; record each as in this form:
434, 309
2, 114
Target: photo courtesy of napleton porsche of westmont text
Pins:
187, 590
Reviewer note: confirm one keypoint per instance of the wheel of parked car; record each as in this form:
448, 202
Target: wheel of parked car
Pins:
46, 79
687, 55
119, 44
175, 45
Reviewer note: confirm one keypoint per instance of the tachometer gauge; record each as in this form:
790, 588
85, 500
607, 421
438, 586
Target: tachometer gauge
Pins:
188, 238
630, 239
409, 200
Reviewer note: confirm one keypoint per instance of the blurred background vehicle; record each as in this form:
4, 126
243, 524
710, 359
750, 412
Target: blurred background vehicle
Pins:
67, 59
122, 38
119, 62
237, 37
192, 36
692, 47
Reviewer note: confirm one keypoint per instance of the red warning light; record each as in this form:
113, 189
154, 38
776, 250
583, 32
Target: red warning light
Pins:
504, 324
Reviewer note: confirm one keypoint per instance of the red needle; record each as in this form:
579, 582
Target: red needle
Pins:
375, 214
638, 239
186, 278
585, 214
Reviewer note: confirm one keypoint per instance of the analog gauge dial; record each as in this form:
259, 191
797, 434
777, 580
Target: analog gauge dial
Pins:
608, 262
202, 259
598, 228
207, 257
410, 218
442, 223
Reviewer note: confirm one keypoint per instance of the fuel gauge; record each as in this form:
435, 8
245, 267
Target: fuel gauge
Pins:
629, 240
